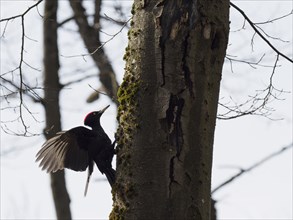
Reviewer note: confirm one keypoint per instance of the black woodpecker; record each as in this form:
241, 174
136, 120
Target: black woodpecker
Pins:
78, 148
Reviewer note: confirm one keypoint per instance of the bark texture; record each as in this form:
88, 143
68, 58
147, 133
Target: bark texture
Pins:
51, 103
168, 106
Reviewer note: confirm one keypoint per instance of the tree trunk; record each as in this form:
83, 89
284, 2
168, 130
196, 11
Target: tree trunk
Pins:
168, 105
51, 102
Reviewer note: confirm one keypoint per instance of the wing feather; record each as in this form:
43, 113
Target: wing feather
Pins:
68, 149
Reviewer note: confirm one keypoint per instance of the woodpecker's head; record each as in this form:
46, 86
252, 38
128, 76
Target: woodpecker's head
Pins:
93, 119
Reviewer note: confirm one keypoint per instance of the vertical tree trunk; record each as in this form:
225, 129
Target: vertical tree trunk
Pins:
51, 101
168, 105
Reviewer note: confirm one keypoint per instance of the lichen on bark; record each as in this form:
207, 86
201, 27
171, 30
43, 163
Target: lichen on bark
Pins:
124, 188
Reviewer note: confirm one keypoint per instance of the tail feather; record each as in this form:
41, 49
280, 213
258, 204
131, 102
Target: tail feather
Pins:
111, 175
90, 171
87, 184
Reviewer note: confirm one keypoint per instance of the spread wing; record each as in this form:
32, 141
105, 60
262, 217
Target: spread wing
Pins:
68, 149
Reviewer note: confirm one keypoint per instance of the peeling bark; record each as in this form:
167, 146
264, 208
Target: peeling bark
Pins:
166, 126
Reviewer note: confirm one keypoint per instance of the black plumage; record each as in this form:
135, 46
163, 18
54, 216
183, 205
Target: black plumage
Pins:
79, 148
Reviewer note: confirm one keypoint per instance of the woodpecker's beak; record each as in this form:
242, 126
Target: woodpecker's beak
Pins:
104, 109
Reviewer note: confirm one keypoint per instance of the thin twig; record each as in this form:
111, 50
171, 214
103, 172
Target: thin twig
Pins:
258, 32
257, 104
275, 19
102, 44
22, 106
23, 14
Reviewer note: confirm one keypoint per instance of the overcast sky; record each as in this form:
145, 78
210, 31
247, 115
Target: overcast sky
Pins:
264, 193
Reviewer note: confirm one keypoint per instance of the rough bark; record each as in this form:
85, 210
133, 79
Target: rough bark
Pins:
91, 38
168, 105
213, 210
51, 103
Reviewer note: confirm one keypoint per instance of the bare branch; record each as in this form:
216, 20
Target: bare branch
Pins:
105, 17
97, 16
78, 80
269, 36
275, 19
252, 64
119, 22
28, 90
22, 106
23, 14
8, 131
101, 45
252, 24
5, 27
65, 21
20, 77
257, 104
91, 38
257, 164
103, 93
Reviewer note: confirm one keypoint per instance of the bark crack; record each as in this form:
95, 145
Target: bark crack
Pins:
185, 67
171, 175
162, 46
173, 116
